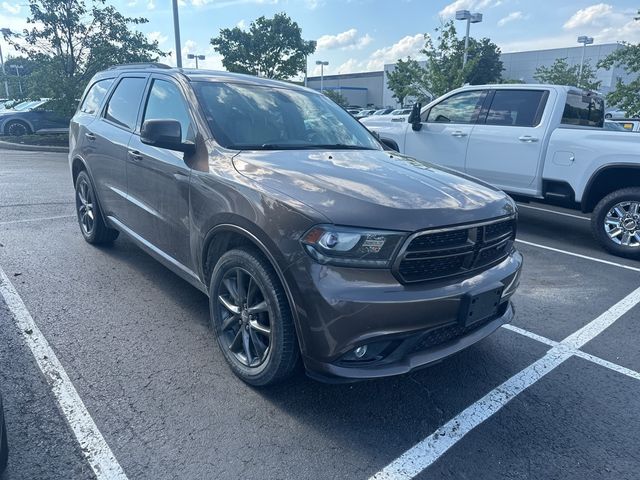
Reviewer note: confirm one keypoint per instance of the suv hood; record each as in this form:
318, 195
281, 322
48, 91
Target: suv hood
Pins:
375, 189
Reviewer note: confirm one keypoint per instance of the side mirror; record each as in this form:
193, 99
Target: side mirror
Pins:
165, 134
414, 118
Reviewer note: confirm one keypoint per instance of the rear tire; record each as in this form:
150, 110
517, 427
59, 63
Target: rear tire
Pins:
90, 219
251, 318
615, 222
16, 128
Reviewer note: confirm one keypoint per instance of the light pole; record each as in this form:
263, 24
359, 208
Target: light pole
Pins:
470, 18
322, 65
191, 56
4, 32
18, 68
176, 32
584, 40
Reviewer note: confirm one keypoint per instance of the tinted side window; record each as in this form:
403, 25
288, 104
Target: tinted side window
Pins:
123, 104
95, 95
166, 102
585, 110
518, 108
460, 108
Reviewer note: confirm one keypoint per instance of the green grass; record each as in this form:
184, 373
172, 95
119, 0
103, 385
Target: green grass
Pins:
56, 140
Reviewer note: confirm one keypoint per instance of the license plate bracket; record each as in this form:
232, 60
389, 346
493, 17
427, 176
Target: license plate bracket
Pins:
480, 305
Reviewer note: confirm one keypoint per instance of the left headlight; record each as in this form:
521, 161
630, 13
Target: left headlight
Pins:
352, 247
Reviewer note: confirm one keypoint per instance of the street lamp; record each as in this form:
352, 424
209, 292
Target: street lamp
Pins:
322, 65
470, 18
584, 40
191, 56
176, 32
5, 32
18, 68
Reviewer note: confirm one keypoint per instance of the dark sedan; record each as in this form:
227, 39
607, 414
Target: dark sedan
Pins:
32, 117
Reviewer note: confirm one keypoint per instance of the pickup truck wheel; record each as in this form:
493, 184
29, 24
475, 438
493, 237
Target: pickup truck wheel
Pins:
616, 222
251, 318
92, 226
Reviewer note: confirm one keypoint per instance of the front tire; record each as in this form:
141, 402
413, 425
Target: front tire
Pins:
251, 318
16, 128
90, 219
615, 222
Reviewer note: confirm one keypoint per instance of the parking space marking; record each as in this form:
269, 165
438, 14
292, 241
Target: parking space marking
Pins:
530, 207
92, 443
25, 220
586, 257
426, 452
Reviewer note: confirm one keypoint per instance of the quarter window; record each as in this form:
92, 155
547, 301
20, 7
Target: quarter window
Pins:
95, 95
463, 107
586, 110
167, 103
516, 108
123, 104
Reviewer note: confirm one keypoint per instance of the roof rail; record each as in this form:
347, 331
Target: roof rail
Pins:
139, 65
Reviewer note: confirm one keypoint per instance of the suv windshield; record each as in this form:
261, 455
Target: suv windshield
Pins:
254, 117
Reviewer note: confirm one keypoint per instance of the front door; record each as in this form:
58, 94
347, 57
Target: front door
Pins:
446, 128
158, 179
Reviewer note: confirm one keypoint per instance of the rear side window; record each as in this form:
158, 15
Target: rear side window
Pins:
95, 96
584, 110
167, 103
123, 104
463, 107
517, 108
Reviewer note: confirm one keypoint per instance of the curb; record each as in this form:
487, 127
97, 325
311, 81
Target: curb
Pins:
32, 148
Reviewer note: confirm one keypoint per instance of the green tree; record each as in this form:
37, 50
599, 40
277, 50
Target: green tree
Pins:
561, 73
407, 80
18, 72
71, 40
272, 47
445, 58
626, 95
337, 97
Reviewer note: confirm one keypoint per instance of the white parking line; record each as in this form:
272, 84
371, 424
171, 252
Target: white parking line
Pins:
92, 443
425, 453
24, 220
530, 207
586, 257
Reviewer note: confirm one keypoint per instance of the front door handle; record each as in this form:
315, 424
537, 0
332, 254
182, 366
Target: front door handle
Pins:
528, 139
90, 136
135, 155
458, 134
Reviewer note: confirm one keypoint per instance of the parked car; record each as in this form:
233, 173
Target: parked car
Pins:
542, 142
614, 114
33, 116
311, 241
629, 124
354, 111
383, 111
4, 445
364, 113
615, 126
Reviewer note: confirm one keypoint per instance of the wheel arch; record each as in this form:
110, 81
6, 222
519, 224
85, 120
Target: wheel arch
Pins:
608, 179
18, 119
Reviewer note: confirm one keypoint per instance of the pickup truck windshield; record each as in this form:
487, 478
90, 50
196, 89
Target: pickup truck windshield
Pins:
254, 117
584, 110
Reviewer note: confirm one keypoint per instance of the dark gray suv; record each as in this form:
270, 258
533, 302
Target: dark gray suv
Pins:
313, 243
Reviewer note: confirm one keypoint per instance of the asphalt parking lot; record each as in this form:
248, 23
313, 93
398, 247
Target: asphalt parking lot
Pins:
554, 395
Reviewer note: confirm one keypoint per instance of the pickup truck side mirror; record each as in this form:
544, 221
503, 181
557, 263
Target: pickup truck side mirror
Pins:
165, 134
414, 118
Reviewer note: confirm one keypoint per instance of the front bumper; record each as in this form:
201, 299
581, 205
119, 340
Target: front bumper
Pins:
340, 309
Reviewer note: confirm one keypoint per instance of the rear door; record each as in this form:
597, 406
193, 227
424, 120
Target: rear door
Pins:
106, 143
505, 147
446, 128
158, 179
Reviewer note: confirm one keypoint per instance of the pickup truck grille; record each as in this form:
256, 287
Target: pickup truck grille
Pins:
443, 253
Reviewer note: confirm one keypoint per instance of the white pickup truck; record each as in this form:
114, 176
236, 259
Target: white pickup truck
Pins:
543, 142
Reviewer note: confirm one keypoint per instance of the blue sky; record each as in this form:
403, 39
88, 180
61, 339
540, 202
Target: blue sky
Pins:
362, 35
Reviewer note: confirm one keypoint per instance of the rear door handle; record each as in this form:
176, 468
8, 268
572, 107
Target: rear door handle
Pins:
458, 134
90, 136
135, 155
528, 139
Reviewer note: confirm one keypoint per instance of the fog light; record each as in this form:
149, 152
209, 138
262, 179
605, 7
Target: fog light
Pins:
360, 351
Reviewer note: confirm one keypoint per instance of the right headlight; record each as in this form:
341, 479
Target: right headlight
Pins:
352, 247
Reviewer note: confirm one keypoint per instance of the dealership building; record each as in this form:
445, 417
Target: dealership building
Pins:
370, 88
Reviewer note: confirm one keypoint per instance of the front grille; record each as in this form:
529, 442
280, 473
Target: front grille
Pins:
457, 251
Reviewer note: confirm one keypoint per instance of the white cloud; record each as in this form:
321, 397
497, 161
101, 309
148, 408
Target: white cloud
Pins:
593, 15
451, 9
512, 17
351, 66
12, 9
151, 5
407, 46
231, 3
157, 37
345, 40
241, 24
604, 23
